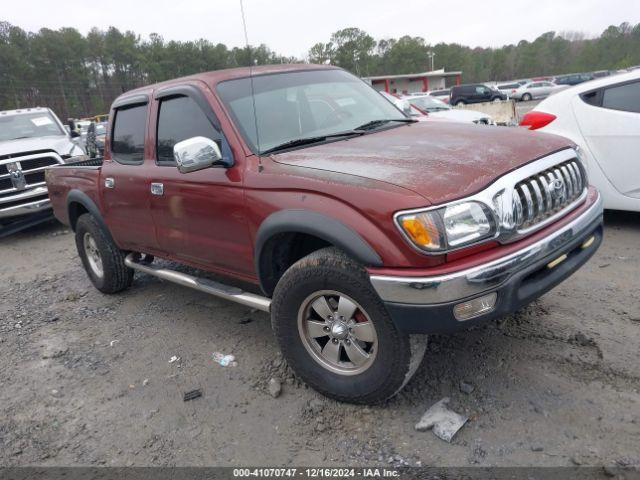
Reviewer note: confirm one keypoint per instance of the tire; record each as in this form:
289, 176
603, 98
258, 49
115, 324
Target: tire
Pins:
496, 99
460, 102
343, 373
101, 258
526, 97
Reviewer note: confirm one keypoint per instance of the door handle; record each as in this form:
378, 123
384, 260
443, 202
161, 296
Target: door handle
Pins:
109, 183
157, 189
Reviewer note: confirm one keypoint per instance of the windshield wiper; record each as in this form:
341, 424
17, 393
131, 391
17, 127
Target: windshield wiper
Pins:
376, 123
299, 142
361, 130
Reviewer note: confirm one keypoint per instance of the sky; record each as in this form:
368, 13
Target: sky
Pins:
291, 27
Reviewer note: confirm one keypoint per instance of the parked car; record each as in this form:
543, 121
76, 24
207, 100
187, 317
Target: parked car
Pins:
30, 140
405, 106
438, 109
573, 79
603, 118
95, 138
534, 90
474, 93
362, 228
441, 94
508, 88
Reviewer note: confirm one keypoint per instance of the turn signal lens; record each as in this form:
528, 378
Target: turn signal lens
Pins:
422, 229
474, 308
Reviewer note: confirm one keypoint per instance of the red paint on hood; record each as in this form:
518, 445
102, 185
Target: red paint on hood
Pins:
440, 161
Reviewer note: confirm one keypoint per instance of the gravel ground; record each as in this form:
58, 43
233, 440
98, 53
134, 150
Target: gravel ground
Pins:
86, 378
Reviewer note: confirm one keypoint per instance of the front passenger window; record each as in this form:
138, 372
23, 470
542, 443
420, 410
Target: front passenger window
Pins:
180, 118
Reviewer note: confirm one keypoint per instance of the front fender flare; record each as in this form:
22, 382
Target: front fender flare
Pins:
319, 225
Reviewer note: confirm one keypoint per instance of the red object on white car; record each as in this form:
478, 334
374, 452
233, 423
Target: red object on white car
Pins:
603, 118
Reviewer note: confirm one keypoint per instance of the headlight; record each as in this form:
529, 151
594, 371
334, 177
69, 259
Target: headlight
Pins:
448, 227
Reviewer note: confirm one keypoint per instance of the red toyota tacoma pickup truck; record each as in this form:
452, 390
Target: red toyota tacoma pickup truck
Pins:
360, 229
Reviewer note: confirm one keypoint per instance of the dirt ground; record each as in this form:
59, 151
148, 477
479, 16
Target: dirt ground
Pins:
86, 378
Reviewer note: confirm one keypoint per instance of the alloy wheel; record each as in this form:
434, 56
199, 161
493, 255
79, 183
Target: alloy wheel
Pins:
337, 332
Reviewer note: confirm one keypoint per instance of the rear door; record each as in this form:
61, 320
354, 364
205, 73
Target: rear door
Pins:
481, 94
199, 216
534, 90
545, 89
609, 119
123, 184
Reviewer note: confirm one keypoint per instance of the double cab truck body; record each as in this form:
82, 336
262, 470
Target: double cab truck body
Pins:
360, 229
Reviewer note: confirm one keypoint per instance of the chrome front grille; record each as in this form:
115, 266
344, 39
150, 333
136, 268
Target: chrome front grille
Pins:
22, 182
545, 194
23, 172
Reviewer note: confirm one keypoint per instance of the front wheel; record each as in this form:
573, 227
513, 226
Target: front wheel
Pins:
526, 97
336, 334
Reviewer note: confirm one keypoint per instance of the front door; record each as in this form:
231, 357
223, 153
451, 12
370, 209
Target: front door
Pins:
199, 216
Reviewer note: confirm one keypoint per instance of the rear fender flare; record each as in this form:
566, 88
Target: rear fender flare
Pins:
79, 197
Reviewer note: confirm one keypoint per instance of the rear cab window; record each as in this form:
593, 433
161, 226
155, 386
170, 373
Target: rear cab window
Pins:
127, 139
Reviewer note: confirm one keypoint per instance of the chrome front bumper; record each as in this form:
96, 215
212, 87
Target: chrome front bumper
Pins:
24, 203
483, 278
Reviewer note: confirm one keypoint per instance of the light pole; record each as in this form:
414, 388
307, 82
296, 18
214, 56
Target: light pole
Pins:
431, 55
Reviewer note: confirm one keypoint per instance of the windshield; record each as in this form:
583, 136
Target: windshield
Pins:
297, 105
429, 104
28, 125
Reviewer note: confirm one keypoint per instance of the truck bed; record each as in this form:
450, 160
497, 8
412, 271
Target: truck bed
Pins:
82, 177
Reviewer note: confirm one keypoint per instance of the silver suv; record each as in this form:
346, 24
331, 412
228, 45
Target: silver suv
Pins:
31, 140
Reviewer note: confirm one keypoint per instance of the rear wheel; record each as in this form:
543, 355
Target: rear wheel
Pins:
335, 332
459, 102
526, 97
101, 257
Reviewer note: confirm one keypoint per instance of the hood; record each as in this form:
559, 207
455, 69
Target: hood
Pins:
441, 161
61, 144
460, 115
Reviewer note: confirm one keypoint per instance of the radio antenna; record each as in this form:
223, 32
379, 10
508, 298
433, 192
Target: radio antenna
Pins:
253, 93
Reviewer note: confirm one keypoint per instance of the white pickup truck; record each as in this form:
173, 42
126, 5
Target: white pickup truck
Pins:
31, 140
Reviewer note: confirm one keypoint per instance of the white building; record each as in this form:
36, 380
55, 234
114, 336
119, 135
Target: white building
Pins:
415, 82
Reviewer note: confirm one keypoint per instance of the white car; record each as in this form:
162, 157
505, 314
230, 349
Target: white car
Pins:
437, 108
533, 90
443, 94
404, 106
509, 88
603, 118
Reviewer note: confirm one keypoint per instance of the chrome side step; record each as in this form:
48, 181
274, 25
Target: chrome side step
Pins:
202, 284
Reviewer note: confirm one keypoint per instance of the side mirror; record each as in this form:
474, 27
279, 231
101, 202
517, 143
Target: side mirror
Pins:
196, 153
405, 106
